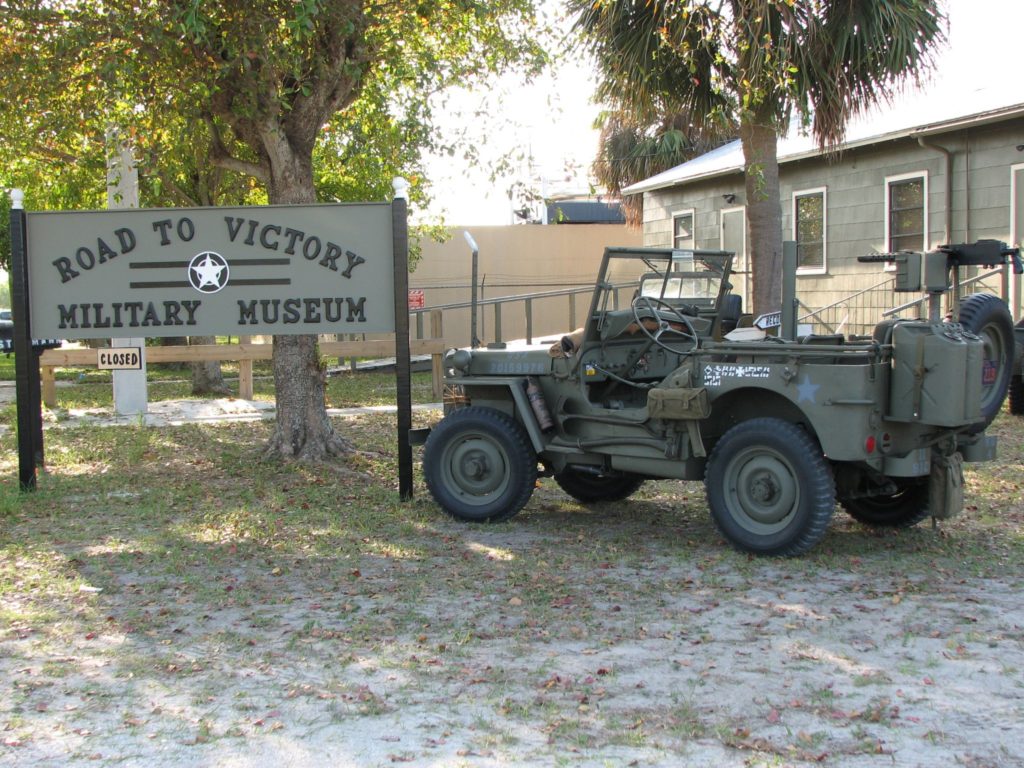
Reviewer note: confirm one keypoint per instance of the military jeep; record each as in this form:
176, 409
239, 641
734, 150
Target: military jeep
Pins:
667, 379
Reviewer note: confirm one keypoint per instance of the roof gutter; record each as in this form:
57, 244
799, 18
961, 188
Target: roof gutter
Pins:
917, 132
948, 172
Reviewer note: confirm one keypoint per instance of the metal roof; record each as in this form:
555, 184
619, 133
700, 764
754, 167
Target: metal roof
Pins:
914, 114
585, 212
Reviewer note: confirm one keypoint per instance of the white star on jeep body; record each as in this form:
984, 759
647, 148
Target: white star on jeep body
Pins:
806, 390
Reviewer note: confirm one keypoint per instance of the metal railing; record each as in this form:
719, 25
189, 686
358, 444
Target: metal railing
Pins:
978, 284
500, 303
858, 313
854, 314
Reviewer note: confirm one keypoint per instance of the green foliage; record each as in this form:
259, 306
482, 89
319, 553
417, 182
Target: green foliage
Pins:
724, 64
228, 102
203, 93
631, 149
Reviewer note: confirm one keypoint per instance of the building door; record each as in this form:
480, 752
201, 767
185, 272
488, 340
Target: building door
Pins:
734, 238
1016, 233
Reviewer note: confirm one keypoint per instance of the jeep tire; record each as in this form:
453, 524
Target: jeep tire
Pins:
987, 316
903, 509
769, 488
587, 488
479, 465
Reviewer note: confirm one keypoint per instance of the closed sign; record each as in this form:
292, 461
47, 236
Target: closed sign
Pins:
120, 359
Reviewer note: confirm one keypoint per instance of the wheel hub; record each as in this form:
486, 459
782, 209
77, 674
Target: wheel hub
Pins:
762, 489
765, 491
476, 467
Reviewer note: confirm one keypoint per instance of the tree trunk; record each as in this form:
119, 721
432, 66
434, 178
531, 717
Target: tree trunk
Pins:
764, 212
207, 377
173, 341
303, 429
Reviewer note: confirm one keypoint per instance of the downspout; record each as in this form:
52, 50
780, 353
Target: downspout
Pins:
948, 234
954, 306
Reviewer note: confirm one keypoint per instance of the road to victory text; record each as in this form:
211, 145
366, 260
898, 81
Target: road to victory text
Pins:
282, 241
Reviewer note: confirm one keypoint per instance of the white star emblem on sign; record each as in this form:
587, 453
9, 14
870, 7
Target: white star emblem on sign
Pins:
805, 390
208, 272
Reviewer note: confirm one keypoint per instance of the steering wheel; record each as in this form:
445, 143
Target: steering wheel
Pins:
654, 307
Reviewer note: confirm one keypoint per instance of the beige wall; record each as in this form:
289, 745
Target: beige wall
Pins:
515, 260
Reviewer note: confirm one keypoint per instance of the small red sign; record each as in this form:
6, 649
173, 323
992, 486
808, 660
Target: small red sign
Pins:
989, 372
416, 298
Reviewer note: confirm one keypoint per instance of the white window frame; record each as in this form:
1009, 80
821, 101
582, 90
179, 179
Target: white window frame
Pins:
1015, 236
692, 212
922, 174
823, 269
1016, 300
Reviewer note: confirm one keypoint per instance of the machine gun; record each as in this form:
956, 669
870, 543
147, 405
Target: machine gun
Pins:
943, 262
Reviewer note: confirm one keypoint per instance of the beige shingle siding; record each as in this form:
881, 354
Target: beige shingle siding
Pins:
856, 199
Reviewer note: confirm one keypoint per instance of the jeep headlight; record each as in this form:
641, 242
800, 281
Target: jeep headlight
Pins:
458, 359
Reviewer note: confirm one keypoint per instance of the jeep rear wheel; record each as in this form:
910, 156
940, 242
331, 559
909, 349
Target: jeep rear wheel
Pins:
1016, 393
479, 465
906, 507
1016, 397
769, 488
987, 316
587, 487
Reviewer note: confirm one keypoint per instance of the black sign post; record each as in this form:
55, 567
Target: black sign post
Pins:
403, 366
26, 363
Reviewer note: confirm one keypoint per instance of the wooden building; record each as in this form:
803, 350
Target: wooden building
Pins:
915, 175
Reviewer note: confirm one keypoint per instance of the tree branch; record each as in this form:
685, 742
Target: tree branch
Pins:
333, 85
221, 158
176, 191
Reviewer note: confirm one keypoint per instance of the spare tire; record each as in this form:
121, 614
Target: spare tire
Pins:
988, 317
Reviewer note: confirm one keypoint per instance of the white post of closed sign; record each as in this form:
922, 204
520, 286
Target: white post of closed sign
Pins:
119, 359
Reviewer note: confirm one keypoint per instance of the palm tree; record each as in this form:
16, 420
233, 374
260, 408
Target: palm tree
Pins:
757, 63
631, 150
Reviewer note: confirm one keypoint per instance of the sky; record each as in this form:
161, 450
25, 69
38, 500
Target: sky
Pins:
549, 121
552, 119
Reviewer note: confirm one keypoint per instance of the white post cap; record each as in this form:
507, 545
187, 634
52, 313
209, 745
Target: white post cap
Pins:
17, 199
401, 187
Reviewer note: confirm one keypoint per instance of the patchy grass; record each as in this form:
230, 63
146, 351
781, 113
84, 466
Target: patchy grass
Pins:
167, 596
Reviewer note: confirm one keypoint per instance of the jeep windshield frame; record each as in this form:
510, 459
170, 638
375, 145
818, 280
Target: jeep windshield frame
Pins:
685, 278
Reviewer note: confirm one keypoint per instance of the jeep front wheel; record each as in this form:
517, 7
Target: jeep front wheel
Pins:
479, 465
587, 487
769, 488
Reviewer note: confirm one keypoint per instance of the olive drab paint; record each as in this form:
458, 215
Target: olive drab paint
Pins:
207, 271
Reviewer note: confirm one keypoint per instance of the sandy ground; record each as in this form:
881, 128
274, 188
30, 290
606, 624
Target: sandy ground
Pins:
452, 657
163, 413
373, 662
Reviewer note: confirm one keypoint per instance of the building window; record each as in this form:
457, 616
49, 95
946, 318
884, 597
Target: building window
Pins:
906, 205
809, 227
682, 231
